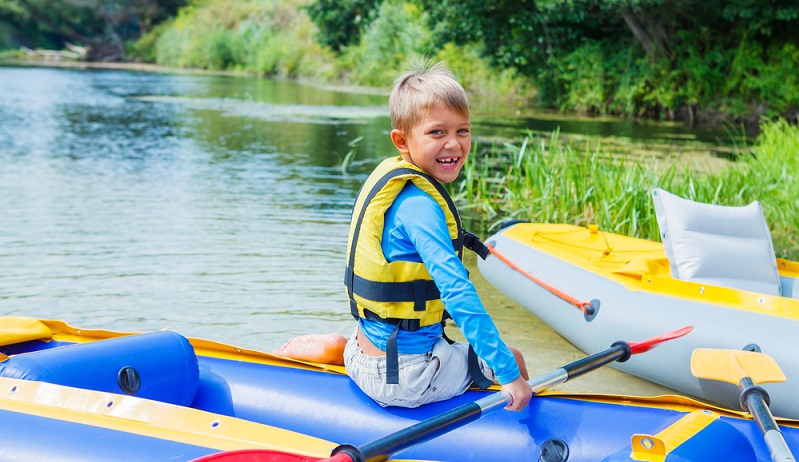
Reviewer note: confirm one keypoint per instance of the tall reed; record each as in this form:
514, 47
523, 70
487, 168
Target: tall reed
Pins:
551, 181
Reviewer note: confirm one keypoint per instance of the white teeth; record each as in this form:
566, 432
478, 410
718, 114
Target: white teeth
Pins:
447, 160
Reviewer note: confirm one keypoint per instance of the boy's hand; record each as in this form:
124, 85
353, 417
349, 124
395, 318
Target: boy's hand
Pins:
520, 392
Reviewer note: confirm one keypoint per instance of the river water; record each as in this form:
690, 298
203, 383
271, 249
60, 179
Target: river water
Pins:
216, 206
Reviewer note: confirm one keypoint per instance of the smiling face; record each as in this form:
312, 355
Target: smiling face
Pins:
438, 144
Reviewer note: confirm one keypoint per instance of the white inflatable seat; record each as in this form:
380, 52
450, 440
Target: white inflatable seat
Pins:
715, 244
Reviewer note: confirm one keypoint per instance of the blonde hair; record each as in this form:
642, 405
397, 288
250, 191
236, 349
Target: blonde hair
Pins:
424, 85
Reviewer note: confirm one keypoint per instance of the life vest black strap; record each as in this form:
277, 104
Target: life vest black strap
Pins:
444, 328
473, 243
419, 291
411, 325
476, 373
392, 358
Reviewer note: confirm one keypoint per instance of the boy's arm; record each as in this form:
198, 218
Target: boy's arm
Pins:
424, 224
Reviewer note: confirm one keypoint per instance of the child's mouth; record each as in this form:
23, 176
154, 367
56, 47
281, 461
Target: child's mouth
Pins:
447, 161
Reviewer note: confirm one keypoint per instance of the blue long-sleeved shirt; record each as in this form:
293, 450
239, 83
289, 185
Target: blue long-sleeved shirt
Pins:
416, 230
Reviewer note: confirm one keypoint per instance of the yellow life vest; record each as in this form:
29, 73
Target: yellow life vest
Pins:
399, 292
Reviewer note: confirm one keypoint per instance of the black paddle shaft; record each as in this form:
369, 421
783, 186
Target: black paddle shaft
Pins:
381, 449
620, 351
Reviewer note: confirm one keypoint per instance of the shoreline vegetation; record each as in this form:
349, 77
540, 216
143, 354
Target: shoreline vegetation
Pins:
703, 63
699, 62
550, 181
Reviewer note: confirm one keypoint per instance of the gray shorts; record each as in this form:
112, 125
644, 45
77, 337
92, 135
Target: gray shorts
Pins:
424, 378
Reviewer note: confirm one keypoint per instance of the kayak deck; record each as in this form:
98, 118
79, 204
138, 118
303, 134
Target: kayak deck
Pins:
640, 264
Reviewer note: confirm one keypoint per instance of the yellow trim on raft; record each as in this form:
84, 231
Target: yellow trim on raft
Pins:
152, 418
655, 448
677, 403
639, 264
61, 331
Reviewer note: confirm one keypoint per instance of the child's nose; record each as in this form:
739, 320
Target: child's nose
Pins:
452, 143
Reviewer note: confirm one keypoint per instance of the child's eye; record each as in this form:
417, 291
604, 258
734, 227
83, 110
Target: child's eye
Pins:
464, 130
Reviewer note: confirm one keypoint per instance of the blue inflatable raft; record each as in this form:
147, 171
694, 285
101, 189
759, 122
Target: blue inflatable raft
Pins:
91, 395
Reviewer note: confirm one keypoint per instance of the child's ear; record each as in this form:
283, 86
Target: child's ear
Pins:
399, 140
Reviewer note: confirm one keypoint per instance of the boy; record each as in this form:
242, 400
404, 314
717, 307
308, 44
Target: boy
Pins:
404, 261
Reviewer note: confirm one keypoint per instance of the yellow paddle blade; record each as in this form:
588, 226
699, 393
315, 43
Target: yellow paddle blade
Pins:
3, 357
733, 365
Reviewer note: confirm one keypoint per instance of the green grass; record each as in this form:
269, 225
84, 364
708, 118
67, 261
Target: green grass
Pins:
549, 181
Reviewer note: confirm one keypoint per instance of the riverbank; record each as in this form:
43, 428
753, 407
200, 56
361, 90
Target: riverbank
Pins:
695, 63
691, 145
120, 65
736, 75
161, 69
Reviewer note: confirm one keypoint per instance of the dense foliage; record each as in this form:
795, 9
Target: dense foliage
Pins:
687, 59
341, 22
659, 58
102, 26
279, 38
655, 58
265, 37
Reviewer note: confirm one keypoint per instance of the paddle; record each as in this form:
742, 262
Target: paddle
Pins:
383, 448
746, 369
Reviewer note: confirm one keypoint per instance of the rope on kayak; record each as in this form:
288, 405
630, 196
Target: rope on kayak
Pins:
586, 307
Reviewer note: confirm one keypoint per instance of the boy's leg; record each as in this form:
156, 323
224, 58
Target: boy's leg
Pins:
320, 348
520, 362
453, 377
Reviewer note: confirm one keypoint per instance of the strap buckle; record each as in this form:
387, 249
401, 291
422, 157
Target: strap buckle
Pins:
473, 243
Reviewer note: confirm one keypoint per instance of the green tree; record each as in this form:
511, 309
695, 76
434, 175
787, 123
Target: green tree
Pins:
103, 26
654, 57
341, 22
